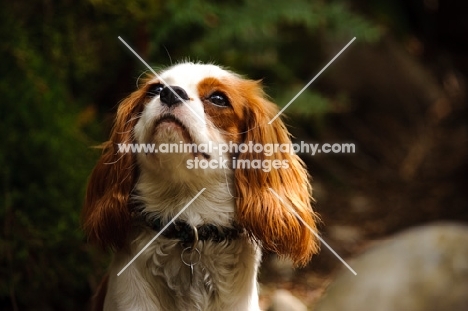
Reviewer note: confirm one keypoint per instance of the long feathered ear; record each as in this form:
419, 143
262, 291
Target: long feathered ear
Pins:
265, 216
106, 214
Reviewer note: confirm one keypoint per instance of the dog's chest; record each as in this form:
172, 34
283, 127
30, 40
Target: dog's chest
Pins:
209, 278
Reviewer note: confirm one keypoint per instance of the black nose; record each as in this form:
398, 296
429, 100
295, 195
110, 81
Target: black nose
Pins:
168, 97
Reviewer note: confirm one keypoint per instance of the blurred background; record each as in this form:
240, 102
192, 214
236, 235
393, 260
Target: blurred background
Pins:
399, 93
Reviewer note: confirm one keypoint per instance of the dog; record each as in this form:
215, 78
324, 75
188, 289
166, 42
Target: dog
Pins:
188, 227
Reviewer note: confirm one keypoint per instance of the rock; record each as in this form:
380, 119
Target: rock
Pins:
284, 301
422, 269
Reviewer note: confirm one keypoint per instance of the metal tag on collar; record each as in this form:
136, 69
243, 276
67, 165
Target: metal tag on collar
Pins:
192, 261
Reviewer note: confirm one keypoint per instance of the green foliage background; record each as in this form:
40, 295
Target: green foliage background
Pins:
63, 70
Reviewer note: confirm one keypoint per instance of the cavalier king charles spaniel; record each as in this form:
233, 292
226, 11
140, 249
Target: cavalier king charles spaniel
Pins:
208, 257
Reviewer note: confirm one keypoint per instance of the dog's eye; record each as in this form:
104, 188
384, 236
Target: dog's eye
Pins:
219, 99
155, 90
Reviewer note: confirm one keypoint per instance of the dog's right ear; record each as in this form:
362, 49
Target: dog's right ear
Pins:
106, 216
274, 206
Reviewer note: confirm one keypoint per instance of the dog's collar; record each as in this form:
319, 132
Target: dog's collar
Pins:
188, 234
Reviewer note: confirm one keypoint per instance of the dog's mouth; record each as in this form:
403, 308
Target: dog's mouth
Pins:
170, 118
173, 123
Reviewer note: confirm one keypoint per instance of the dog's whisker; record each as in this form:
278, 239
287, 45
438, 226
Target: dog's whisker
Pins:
227, 184
114, 162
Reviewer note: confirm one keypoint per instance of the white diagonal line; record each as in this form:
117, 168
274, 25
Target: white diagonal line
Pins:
313, 231
159, 77
310, 82
138, 56
160, 232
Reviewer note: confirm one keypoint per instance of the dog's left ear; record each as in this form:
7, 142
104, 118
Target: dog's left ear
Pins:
265, 216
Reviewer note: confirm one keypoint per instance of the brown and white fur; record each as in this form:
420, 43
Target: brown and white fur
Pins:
224, 108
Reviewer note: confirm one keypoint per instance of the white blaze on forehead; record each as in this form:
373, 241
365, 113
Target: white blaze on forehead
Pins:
190, 74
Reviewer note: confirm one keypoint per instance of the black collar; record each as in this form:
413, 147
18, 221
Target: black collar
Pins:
187, 234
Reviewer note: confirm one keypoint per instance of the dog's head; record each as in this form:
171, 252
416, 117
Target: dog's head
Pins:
197, 104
